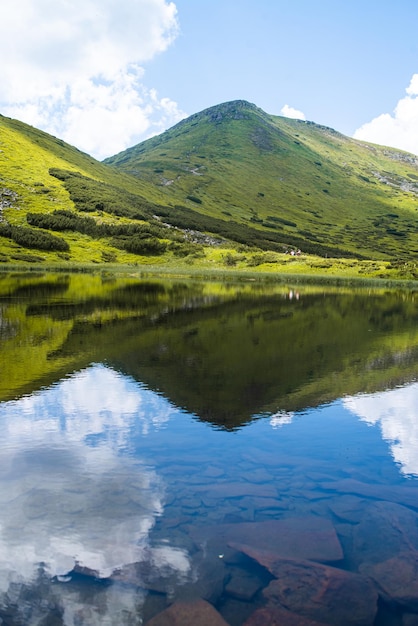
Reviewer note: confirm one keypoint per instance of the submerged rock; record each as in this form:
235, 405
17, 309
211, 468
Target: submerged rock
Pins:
206, 581
317, 591
242, 585
397, 579
197, 613
276, 616
324, 593
307, 537
385, 530
398, 494
348, 508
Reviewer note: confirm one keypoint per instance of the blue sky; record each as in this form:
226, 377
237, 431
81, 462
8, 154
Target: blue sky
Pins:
106, 74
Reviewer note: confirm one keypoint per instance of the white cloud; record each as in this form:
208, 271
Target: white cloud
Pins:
75, 69
399, 129
289, 111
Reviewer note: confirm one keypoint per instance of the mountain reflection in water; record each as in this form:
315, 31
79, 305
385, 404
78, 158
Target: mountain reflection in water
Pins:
237, 447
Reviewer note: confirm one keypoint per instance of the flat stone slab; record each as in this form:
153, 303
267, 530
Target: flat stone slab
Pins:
348, 508
319, 592
275, 616
197, 613
307, 537
400, 495
237, 490
397, 579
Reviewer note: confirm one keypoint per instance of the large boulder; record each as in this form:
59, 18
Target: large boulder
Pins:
317, 591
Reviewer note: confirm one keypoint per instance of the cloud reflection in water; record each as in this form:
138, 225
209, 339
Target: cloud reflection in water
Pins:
396, 412
70, 491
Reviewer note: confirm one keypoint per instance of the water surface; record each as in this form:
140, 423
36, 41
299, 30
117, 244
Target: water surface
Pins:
173, 441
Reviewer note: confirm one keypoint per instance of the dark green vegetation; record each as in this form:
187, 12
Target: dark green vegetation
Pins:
228, 187
224, 352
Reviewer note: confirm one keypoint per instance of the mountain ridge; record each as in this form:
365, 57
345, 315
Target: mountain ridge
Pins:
220, 186
295, 162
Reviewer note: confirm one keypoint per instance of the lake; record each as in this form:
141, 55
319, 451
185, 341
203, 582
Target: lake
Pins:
190, 452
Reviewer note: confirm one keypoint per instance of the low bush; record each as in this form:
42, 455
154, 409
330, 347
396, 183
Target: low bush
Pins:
31, 238
140, 245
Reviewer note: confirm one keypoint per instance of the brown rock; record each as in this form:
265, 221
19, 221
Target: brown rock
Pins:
385, 530
275, 616
308, 537
197, 613
317, 591
397, 578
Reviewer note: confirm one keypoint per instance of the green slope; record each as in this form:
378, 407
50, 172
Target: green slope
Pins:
51, 192
302, 184
230, 186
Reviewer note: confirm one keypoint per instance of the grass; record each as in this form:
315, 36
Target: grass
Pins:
227, 191
305, 270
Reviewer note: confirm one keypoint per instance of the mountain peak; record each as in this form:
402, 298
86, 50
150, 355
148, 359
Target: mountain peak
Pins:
232, 110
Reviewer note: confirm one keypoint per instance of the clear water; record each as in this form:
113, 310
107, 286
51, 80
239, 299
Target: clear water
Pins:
143, 438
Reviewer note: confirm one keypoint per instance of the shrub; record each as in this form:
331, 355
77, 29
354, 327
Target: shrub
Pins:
31, 238
229, 260
109, 257
194, 199
140, 245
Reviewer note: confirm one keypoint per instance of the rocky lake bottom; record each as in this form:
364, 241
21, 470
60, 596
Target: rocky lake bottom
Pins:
159, 519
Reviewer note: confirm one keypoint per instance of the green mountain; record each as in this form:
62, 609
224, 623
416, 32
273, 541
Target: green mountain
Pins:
296, 182
230, 186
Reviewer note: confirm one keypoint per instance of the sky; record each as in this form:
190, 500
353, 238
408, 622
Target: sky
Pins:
106, 74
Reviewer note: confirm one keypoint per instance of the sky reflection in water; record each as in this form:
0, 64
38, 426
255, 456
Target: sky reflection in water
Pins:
71, 491
77, 485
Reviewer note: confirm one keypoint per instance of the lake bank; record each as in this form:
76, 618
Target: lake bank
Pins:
304, 270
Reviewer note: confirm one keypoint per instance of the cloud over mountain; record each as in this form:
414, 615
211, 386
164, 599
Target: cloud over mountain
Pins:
293, 113
399, 129
75, 69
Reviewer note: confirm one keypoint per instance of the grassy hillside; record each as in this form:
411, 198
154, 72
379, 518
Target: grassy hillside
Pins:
297, 182
58, 204
230, 187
